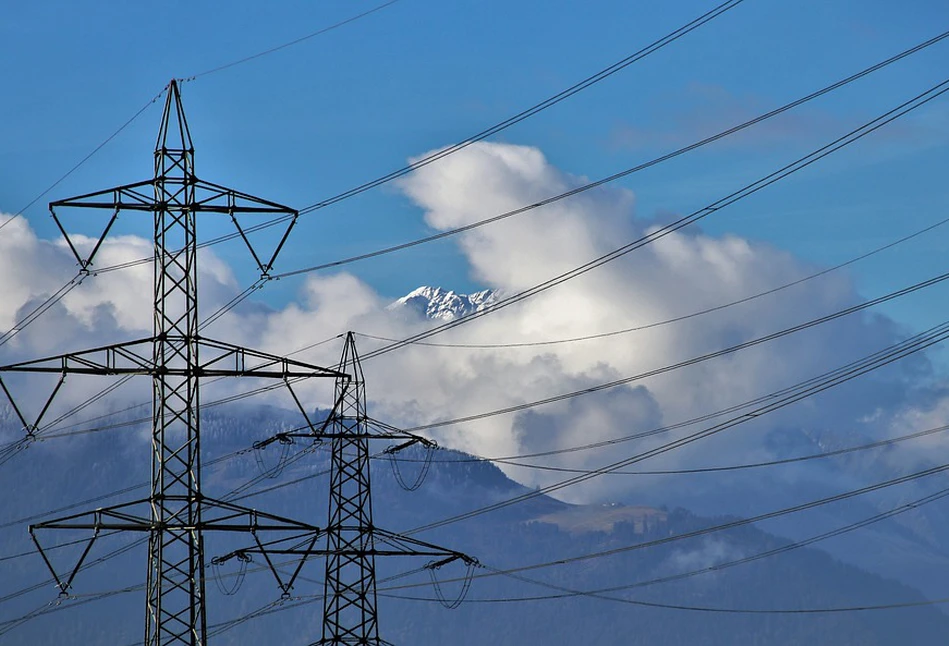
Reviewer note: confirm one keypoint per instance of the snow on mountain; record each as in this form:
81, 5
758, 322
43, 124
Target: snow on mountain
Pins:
445, 305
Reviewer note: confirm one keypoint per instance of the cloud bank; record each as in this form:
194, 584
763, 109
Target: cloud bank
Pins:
685, 272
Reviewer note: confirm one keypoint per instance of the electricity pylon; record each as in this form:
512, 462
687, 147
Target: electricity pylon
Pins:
353, 542
176, 514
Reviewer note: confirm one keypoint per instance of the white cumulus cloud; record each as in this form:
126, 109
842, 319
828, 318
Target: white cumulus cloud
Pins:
685, 272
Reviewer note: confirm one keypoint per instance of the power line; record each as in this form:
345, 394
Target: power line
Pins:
808, 505
699, 532
681, 151
539, 107
910, 345
568, 592
799, 164
687, 362
82, 161
513, 460
605, 385
611, 384
41, 308
710, 355
936, 335
773, 402
313, 345
338, 263
553, 100
900, 509
629, 379
731, 611
750, 189
296, 41
676, 319
728, 525
629, 171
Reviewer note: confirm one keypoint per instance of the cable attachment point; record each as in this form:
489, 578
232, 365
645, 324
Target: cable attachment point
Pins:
272, 472
470, 563
243, 558
391, 451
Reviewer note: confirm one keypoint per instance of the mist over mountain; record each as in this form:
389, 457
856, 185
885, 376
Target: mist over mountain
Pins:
57, 473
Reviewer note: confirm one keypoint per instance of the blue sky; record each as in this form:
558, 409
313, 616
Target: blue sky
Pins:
314, 119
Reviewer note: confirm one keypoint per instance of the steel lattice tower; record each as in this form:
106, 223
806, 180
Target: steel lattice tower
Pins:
176, 514
176, 562
349, 586
350, 615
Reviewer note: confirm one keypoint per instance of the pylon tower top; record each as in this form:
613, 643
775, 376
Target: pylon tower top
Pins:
174, 127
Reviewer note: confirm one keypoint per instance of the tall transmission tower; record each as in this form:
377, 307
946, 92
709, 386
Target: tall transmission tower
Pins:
176, 514
350, 615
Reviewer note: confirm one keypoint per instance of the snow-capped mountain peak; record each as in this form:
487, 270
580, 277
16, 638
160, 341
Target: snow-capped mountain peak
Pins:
444, 305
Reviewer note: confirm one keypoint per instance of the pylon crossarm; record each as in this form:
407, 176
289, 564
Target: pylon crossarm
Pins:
135, 357
394, 432
398, 546
323, 434
266, 364
257, 520
95, 200
126, 197
214, 198
302, 546
415, 547
115, 359
234, 200
118, 518
135, 516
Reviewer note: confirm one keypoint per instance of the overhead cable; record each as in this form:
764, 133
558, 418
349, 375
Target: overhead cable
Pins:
656, 234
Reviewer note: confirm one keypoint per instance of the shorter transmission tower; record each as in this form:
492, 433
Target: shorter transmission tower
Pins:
350, 614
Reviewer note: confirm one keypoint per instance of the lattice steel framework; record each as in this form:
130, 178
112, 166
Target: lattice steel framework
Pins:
350, 615
349, 586
176, 514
